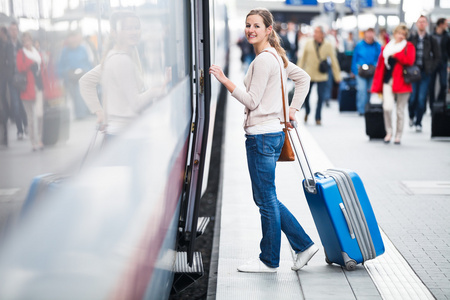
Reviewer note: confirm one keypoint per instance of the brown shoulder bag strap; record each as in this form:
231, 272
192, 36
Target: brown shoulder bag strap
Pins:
282, 90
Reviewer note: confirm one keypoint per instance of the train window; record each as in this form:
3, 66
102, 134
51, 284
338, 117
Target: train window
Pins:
108, 58
164, 42
93, 61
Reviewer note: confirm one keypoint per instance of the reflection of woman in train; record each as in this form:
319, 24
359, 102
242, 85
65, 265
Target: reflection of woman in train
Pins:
120, 73
29, 62
263, 127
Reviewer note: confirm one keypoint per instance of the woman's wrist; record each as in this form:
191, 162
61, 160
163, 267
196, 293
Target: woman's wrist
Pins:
292, 112
229, 85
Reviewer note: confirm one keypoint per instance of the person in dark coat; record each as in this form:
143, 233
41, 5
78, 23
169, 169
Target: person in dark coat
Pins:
290, 42
247, 52
6, 68
428, 55
442, 37
18, 110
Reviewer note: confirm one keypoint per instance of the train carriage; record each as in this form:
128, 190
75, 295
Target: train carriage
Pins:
113, 229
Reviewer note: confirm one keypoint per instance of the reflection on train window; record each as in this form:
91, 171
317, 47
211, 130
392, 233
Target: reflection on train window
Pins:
128, 54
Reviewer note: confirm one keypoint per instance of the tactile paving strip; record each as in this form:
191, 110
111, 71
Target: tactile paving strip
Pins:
393, 276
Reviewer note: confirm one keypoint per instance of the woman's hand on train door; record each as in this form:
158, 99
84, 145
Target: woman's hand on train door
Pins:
292, 112
218, 73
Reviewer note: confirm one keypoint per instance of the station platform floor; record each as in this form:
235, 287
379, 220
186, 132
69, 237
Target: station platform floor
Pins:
409, 188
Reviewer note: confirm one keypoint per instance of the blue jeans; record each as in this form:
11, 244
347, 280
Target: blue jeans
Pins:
441, 70
362, 94
322, 93
263, 151
418, 98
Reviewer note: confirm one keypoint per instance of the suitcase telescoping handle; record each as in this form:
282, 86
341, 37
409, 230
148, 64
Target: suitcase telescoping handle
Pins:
310, 181
91, 146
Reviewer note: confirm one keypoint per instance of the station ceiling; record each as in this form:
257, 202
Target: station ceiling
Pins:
281, 11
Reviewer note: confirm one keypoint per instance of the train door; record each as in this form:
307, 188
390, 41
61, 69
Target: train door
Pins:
200, 126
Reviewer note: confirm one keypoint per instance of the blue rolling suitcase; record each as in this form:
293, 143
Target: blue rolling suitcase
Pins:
342, 213
41, 187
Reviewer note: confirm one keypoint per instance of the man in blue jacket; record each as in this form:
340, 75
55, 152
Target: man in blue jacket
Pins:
365, 56
73, 63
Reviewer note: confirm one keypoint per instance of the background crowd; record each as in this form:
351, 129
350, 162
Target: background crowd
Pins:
372, 64
39, 74
49, 79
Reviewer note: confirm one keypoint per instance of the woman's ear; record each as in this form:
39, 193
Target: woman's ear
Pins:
269, 30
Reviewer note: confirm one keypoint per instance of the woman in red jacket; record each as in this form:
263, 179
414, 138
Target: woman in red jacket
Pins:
29, 61
388, 79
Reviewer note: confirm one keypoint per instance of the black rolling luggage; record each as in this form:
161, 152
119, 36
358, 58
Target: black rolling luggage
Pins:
374, 121
440, 118
56, 124
347, 95
345, 62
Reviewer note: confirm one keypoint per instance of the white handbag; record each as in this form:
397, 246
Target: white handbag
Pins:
376, 98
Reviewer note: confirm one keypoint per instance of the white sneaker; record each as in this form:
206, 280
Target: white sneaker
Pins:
304, 257
418, 128
256, 266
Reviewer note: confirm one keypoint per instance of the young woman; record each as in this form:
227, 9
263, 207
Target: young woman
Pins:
388, 79
264, 121
29, 62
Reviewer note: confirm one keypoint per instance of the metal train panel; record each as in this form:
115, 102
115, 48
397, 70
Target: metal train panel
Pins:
107, 229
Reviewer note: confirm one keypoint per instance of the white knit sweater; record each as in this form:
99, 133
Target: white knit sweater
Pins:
262, 97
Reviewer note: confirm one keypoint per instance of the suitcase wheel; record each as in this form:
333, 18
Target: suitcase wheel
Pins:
350, 265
